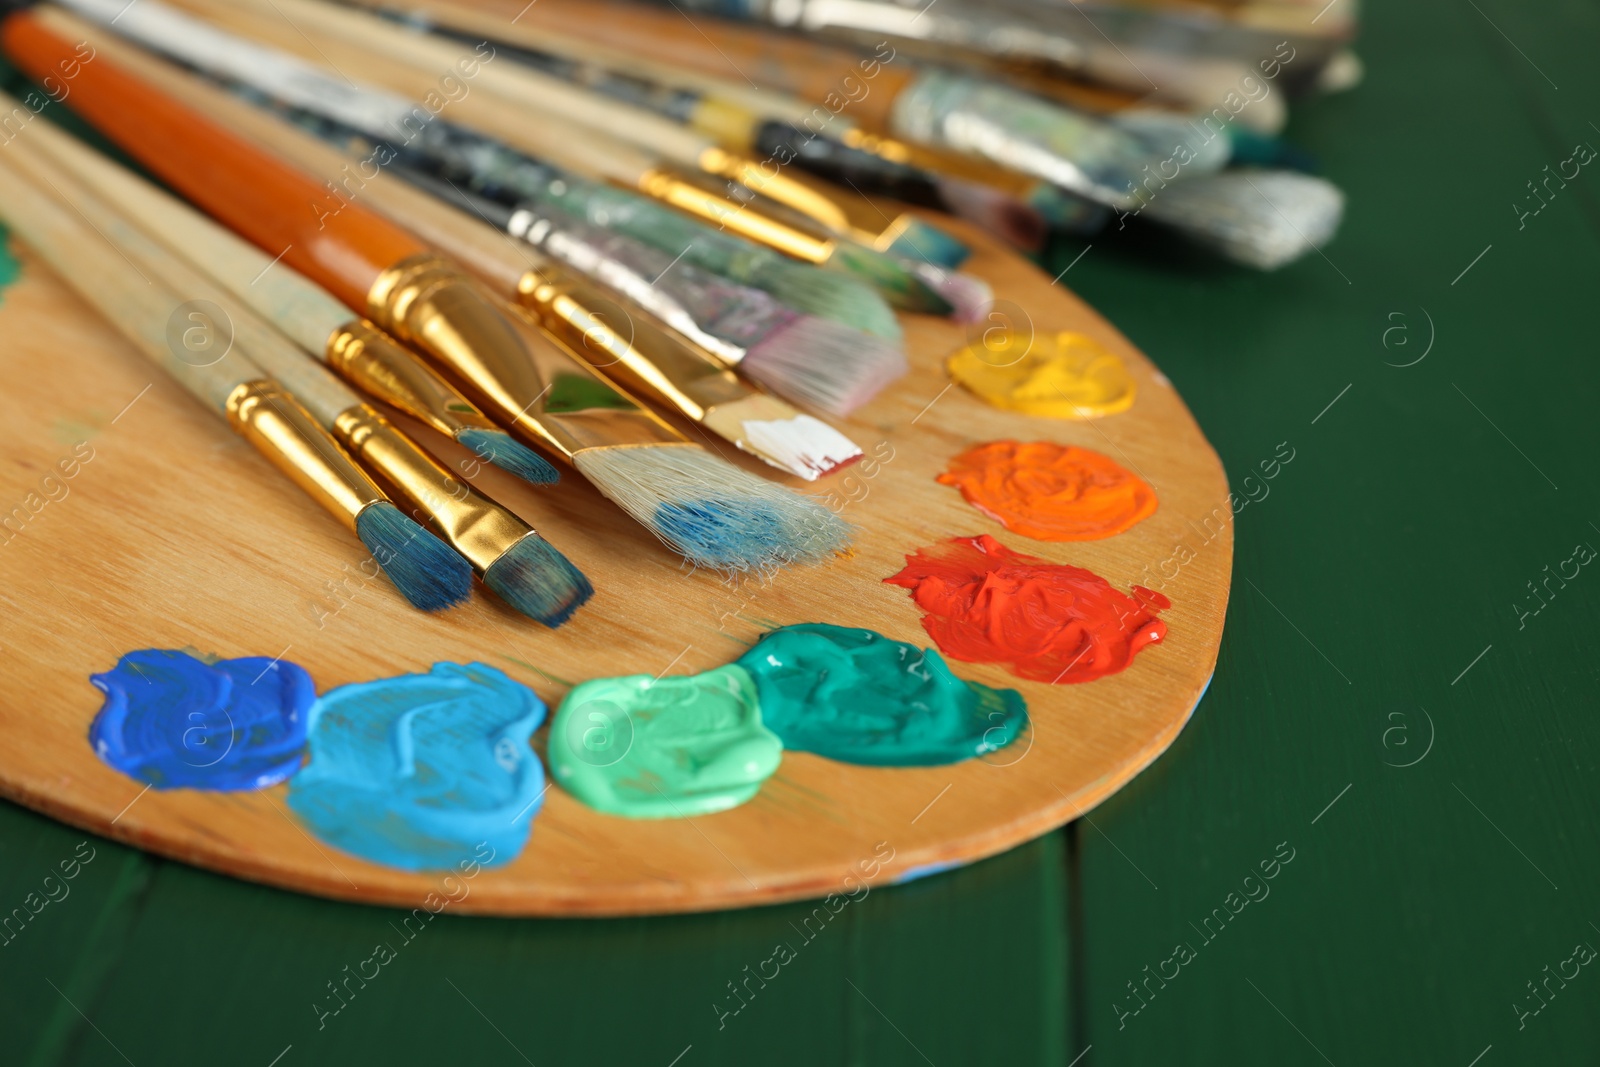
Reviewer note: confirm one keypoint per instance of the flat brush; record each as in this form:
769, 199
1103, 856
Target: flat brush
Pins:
806, 359
1085, 155
786, 130
708, 510
578, 130
513, 560
423, 569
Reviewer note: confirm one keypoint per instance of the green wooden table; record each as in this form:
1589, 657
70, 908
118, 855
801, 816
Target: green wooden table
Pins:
1382, 713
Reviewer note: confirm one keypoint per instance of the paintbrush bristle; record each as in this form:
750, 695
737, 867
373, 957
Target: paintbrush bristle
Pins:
839, 297
892, 277
501, 449
538, 581
923, 242
426, 571
1260, 218
824, 365
969, 296
711, 512
996, 211
776, 433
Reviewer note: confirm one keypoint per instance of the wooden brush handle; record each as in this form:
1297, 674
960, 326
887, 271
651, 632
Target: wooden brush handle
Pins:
301, 309
429, 60
784, 62
260, 348
340, 245
138, 306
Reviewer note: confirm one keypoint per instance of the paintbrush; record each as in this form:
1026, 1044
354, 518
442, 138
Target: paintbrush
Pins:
630, 345
464, 156
578, 129
587, 321
708, 510
517, 563
743, 130
1081, 153
785, 129
811, 360
425, 571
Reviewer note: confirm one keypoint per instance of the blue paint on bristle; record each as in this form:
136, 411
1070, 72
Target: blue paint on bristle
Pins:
507, 453
537, 580
427, 571
714, 534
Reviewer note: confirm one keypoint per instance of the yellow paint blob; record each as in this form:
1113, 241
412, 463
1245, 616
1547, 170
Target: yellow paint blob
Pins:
1061, 376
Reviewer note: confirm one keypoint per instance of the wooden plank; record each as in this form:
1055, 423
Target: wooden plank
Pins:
634, 990
1421, 902
176, 535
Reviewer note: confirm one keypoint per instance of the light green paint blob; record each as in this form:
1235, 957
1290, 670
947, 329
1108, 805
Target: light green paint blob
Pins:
856, 696
666, 748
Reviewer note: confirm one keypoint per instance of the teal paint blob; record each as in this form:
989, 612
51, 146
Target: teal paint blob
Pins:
858, 697
418, 771
10, 269
663, 748
178, 722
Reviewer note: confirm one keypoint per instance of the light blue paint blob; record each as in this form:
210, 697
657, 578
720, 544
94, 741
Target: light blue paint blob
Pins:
179, 722
927, 870
418, 771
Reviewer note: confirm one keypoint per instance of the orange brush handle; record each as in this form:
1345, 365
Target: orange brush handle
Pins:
339, 244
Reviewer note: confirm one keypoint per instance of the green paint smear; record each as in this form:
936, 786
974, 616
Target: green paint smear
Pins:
571, 393
648, 748
858, 697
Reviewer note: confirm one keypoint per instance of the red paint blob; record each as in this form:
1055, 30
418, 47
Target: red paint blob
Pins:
1049, 622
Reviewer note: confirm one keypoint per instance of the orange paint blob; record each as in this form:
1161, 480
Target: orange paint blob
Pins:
1050, 492
1048, 622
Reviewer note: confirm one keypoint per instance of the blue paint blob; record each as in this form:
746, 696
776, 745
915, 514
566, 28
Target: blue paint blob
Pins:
179, 722
418, 771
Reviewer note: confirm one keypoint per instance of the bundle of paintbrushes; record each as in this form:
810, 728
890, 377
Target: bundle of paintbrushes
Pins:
1021, 117
350, 289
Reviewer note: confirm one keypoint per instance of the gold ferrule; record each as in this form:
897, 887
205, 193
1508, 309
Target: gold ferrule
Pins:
626, 344
375, 363
726, 121
475, 526
682, 193
290, 438
507, 366
770, 181
973, 169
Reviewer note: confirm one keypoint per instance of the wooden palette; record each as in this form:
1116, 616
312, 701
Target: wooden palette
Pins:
177, 534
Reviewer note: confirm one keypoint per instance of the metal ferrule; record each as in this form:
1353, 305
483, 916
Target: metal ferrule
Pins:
581, 256
780, 187
617, 341
684, 194
475, 526
508, 367
290, 438
373, 362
